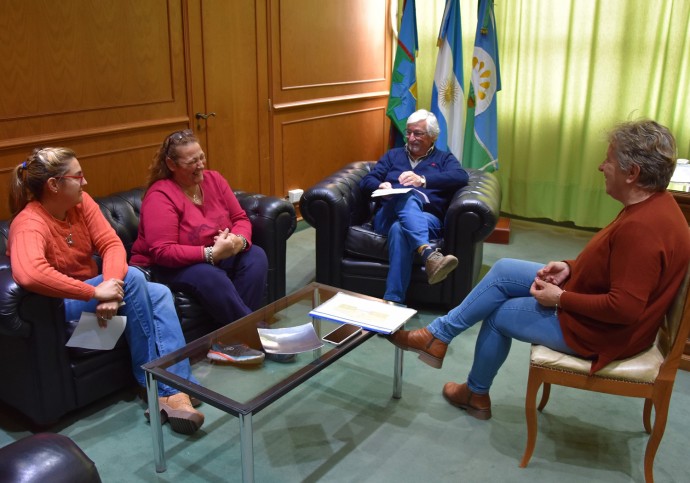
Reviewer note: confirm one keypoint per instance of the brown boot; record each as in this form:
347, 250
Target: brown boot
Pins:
438, 266
178, 410
459, 395
431, 350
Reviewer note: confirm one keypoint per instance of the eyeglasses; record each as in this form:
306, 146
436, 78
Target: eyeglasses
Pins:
79, 178
175, 138
417, 134
186, 164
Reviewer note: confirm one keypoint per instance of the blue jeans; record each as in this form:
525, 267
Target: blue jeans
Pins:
408, 227
502, 300
152, 329
230, 290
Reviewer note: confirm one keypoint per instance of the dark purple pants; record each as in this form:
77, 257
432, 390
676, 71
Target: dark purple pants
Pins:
228, 291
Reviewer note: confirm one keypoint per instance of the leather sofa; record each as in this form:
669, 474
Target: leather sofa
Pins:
43, 379
46, 457
350, 255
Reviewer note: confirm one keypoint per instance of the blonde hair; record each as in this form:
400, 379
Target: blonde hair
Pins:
29, 177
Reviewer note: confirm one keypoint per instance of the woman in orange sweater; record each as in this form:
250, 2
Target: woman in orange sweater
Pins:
607, 304
55, 230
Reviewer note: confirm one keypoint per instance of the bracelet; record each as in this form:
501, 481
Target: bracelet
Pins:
208, 255
559, 298
244, 243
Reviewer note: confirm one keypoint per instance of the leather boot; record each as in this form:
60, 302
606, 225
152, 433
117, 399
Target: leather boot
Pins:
476, 405
177, 409
438, 267
431, 350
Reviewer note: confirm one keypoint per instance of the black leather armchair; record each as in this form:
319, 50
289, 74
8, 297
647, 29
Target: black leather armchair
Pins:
46, 457
43, 379
350, 255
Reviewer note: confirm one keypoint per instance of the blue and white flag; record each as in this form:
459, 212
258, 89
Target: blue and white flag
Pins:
448, 92
481, 131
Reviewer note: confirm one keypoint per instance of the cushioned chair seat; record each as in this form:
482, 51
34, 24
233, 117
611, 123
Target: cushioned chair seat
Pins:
643, 367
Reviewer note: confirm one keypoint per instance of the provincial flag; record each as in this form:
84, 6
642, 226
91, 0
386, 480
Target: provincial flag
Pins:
448, 91
402, 100
481, 130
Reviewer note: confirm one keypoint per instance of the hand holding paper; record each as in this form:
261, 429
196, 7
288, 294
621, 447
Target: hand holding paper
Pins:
89, 335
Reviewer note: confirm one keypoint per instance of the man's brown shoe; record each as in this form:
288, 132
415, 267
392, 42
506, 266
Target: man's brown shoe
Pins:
438, 266
177, 409
431, 350
459, 395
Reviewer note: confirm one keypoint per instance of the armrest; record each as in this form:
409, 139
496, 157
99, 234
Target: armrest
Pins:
273, 222
474, 210
11, 296
331, 206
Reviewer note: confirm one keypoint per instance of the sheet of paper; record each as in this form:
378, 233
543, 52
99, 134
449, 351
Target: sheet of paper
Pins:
89, 335
369, 314
290, 340
398, 191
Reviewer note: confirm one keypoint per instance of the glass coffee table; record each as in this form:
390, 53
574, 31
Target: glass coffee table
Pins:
245, 390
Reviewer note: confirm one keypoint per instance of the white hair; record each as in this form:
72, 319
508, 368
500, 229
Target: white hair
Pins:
431, 122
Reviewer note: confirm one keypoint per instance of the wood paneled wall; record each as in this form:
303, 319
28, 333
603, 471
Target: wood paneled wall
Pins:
299, 87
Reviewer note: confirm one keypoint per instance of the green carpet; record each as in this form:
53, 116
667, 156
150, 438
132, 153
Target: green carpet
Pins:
343, 425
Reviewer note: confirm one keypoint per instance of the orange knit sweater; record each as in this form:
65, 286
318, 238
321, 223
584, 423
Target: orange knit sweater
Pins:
43, 261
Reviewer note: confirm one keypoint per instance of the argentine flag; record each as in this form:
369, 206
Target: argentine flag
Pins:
448, 91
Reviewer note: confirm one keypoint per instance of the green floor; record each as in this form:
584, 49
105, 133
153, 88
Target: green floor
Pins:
343, 425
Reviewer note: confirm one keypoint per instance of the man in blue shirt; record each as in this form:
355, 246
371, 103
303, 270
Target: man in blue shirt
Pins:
409, 220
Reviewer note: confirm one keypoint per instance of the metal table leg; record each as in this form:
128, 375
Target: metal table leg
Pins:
155, 419
247, 447
397, 373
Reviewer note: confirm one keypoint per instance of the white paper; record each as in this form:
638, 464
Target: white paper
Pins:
398, 191
89, 335
369, 314
290, 340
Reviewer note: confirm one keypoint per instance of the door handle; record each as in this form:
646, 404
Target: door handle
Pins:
201, 115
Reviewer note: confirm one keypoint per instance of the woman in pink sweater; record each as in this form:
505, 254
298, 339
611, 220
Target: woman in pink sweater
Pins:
55, 230
196, 236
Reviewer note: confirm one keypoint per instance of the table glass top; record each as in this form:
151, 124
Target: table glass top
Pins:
248, 389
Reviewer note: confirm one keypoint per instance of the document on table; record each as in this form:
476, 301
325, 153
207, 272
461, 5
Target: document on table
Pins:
89, 335
399, 191
368, 314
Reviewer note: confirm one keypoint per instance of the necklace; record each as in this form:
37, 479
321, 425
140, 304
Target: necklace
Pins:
68, 238
196, 197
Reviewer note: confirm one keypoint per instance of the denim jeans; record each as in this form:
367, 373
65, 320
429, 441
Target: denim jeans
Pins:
152, 329
230, 290
408, 227
502, 300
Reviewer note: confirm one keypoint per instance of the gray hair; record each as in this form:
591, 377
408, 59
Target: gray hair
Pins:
431, 122
650, 146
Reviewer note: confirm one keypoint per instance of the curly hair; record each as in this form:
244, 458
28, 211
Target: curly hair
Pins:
159, 168
650, 146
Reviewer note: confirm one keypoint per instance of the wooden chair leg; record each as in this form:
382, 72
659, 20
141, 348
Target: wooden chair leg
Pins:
661, 401
647, 415
545, 393
533, 384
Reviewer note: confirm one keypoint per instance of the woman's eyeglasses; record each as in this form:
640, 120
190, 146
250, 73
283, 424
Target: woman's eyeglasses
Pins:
79, 178
176, 137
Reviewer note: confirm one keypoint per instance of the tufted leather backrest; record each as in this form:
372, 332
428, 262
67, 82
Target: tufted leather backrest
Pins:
122, 212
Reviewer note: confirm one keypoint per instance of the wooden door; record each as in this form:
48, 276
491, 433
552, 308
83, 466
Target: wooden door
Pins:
228, 81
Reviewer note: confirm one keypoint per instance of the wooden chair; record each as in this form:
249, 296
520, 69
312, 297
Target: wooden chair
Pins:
649, 375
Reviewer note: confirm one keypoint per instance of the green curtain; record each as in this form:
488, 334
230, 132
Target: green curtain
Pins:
571, 70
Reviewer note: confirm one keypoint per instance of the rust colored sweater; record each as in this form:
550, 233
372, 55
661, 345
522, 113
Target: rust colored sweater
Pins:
623, 282
43, 261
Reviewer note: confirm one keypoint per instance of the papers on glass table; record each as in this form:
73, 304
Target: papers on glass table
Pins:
368, 314
89, 335
290, 340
